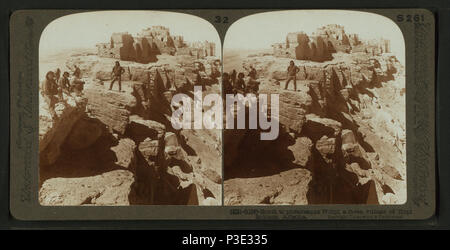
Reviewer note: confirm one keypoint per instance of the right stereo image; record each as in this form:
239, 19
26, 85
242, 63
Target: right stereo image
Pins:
321, 114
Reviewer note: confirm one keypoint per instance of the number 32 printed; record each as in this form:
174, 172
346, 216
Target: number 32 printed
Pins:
221, 19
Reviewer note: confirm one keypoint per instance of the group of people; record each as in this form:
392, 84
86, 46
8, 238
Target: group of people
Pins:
118, 71
55, 85
234, 83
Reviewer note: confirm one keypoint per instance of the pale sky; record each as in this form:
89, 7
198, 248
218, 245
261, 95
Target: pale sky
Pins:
84, 30
260, 31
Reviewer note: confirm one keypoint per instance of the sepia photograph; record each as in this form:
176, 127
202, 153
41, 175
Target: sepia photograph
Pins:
107, 79
339, 79
227, 124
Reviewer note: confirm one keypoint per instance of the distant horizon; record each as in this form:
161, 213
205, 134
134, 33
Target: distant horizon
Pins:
85, 30
282, 39
260, 31
62, 50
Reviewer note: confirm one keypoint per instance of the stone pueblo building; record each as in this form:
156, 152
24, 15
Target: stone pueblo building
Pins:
329, 39
149, 43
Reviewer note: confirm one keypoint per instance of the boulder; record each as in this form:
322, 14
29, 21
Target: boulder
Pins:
183, 180
348, 137
209, 201
286, 188
356, 169
345, 93
352, 150
317, 126
301, 150
172, 148
392, 172
125, 153
138, 129
326, 147
111, 107
353, 174
293, 109
212, 175
107, 189
149, 149
84, 133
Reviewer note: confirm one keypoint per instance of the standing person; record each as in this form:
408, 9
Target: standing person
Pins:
77, 85
292, 71
200, 70
57, 74
64, 85
215, 69
117, 72
77, 72
233, 76
239, 85
49, 90
252, 73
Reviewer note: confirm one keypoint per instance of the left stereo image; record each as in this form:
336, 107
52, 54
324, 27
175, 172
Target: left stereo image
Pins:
107, 131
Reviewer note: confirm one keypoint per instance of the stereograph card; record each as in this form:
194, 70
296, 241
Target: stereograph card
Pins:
222, 114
